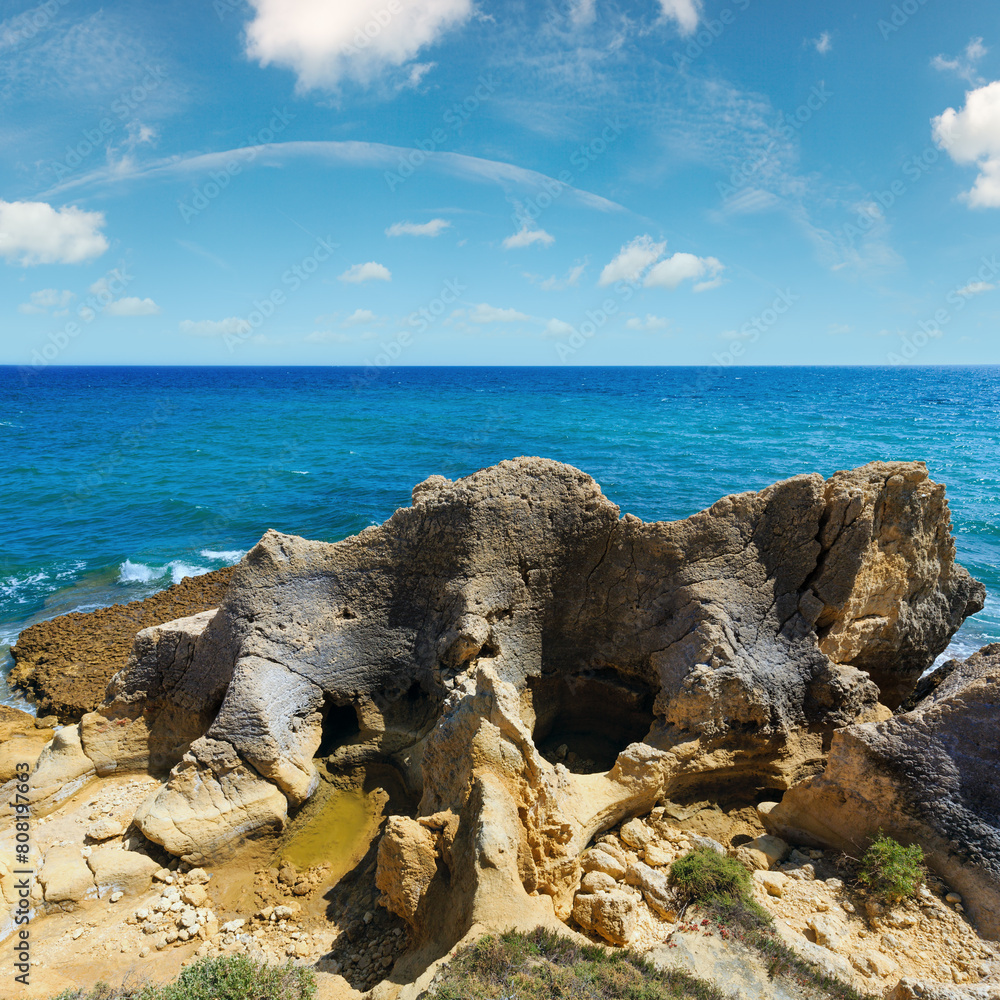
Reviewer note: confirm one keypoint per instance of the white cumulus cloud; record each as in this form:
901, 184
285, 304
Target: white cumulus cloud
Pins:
132, 306
433, 228
684, 12
824, 43
632, 260
972, 135
651, 322
33, 232
326, 42
371, 271
484, 313
360, 316
232, 325
558, 328
669, 273
525, 236
977, 288
46, 299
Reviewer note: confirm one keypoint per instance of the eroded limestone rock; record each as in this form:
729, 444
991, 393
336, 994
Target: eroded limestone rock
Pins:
930, 776
537, 668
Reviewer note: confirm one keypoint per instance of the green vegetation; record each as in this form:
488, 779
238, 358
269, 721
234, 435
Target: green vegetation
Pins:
705, 874
542, 965
744, 920
227, 978
891, 872
719, 887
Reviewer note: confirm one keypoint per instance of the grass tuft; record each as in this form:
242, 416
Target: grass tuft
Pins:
705, 874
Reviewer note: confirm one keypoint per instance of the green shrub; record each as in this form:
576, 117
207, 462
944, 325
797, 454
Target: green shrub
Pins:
891, 872
232, 977
705, 874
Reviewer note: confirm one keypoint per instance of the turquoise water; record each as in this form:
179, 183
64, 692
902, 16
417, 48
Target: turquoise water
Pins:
123, 480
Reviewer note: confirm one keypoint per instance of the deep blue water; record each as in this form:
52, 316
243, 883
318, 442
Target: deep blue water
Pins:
121, 480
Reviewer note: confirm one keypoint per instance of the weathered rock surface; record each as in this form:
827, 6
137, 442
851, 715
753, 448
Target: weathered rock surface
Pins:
914, 989
513, 616
930, 776
64, 664
22, 740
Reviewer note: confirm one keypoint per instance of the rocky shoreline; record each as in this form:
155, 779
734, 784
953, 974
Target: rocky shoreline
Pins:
566, 700
63, 665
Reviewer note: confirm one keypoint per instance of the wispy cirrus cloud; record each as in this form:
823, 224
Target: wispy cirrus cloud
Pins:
346, 153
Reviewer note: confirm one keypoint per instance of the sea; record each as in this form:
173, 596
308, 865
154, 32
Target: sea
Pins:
122, 481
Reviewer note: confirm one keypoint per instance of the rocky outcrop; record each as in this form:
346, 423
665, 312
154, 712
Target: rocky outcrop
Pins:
537, 668
930, 776
64, 664
22, 739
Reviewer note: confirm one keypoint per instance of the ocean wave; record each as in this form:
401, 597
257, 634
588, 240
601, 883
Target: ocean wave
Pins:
228, 556
176, 569
15, 587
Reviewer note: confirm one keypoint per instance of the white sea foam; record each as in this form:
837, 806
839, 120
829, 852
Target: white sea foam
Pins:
296, 472
230, 556
176, 569
130, 572
15, 587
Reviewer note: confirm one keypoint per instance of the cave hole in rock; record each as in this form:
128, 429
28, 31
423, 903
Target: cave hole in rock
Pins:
340, 726
585, 720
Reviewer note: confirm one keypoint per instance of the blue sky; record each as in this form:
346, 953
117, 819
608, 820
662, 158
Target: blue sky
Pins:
486, 182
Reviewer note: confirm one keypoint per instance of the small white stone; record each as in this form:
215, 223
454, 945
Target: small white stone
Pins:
115, 896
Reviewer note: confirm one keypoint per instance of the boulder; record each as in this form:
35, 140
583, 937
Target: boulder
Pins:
127, 735
61, 771
655, 889
930, 776
599, 860
407, 864
65, 877
21, 740
118, 870
506, 616
614, 915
